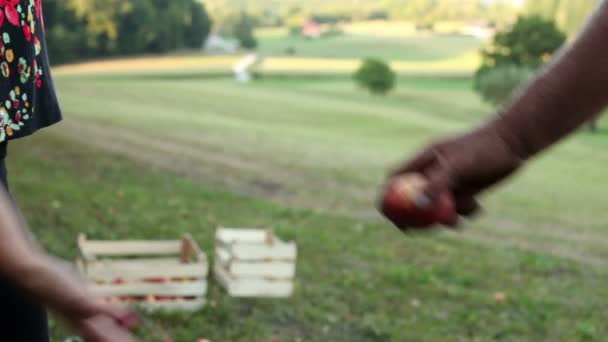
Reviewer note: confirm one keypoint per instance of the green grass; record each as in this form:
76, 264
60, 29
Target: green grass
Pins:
206, 66
405, 48
357, 280
306, 136
157, 156
339, 55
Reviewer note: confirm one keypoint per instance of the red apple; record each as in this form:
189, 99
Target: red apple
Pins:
404, 203
155, 280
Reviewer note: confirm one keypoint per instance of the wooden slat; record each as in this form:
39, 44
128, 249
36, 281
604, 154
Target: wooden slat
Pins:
137, 269
131, 248
269, 270
277, 251
222, 255
196, 288
252, 287
82, 240
170, 306
254, 236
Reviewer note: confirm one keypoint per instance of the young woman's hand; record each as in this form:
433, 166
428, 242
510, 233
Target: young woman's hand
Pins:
55, 285
106, 326
65, 293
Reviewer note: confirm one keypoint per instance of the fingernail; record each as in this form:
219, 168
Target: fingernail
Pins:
422, 201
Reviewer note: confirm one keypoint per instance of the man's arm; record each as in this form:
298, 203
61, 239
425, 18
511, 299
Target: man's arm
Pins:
567, 93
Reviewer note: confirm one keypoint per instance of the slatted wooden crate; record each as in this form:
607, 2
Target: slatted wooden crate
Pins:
155, 275
254, 263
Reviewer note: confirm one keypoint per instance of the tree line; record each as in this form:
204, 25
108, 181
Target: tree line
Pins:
277, 13
568, 14
85, 29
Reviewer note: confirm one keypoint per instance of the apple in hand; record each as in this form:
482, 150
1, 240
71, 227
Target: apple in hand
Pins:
406, 205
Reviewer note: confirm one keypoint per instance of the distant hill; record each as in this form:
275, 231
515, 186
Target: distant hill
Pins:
285, 6
416, 10
299, 3
569, 14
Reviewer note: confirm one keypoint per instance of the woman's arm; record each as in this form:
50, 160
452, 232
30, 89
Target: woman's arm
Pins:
38, 274
566, 94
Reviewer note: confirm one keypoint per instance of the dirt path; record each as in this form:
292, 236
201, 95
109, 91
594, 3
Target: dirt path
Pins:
295, 188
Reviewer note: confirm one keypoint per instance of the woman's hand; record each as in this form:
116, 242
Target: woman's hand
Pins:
107, 325
64, 292
55, 285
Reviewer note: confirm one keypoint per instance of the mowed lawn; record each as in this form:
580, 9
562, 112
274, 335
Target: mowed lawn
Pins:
407, 54
157, 156
401, 47
325, 144
357, 280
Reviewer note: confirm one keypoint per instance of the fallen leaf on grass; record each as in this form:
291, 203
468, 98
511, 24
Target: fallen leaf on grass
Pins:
500, 297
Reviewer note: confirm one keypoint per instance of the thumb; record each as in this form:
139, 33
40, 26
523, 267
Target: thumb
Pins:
121, 314
103, 329
440, 180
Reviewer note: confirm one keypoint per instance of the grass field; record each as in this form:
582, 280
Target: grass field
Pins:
408, 54
357, 280
405, 48
222, 65
155, 156
308, 135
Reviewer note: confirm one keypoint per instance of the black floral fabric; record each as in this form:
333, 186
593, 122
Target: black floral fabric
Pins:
27, 96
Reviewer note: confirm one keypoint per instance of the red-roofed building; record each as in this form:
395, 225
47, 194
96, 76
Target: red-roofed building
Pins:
312, 29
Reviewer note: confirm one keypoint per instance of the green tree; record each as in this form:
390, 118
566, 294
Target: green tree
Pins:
133, 39
244, 31
530, 43
295, 23
198, 25
375, 76
65, 34
82, 29
497, 85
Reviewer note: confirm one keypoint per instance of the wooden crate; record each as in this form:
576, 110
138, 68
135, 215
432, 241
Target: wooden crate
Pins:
254, 263
155, 275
